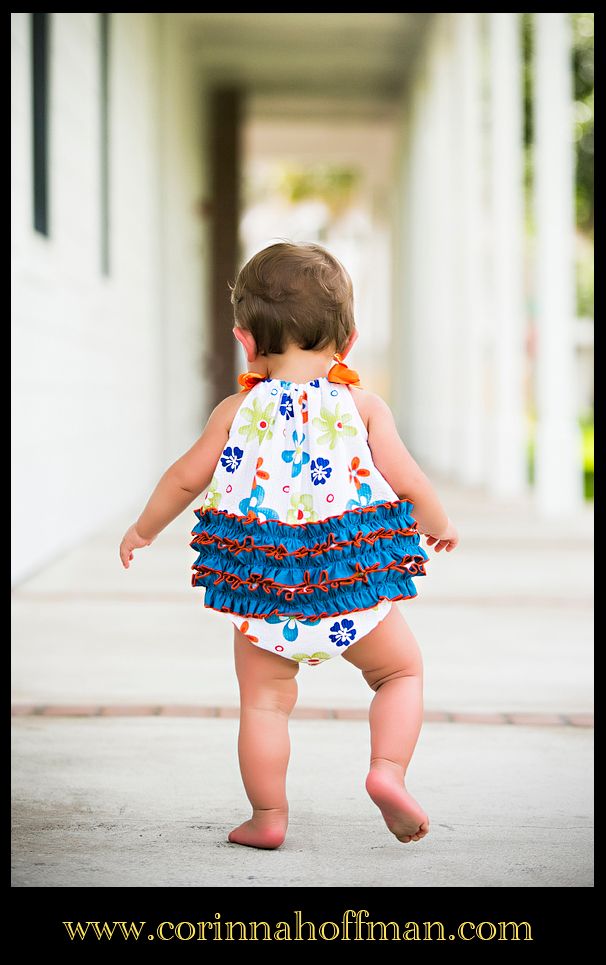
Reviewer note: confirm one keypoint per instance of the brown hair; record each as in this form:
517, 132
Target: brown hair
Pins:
291, 293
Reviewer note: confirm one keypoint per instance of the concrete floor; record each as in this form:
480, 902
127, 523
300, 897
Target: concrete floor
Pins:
151, 801
504, 623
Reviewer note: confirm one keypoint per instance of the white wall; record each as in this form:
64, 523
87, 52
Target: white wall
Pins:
185, 236
100, 403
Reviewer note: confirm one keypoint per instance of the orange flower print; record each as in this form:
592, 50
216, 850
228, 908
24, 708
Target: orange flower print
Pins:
303, 404
259, 473
355, 472
248, 636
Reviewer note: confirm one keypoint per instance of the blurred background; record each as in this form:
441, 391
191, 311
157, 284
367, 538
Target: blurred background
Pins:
447, 160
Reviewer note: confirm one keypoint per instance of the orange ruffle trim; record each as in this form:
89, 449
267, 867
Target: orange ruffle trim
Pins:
339, 372
257, 581
302, 616
248, 545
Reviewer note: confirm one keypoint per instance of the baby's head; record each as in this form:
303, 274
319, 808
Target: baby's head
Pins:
299, 295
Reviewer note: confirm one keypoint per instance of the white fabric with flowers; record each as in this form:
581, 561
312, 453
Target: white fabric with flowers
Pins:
303, 545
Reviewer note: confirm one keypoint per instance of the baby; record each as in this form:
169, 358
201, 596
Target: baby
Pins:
309, 531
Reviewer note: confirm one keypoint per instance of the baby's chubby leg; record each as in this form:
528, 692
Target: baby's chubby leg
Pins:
268, 693
391, 664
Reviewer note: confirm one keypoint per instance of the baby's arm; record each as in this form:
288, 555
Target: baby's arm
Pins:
183, 481
406, 478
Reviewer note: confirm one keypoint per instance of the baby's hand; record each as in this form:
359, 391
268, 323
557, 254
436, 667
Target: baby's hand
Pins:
131, 541
447, 540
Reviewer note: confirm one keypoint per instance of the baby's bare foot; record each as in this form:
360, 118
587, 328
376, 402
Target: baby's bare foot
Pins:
266, 829
403, 816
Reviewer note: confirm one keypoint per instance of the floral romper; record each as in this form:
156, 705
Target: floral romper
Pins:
301, 541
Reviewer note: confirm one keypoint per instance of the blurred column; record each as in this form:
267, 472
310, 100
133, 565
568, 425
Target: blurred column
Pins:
470, 426
400, 357
427, 391
415, 233
439, 290
507, 465
225, 150
558, 477
425, 397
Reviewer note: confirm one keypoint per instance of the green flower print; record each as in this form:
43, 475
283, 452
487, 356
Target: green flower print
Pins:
312, 660
333, 424
260, 421
213, 496
302, 510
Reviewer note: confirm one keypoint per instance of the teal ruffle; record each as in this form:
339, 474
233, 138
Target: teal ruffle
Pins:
396, 515
220, 568
337, 564
329, 604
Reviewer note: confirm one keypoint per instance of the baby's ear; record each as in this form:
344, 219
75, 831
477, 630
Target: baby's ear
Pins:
350, 343
247, 342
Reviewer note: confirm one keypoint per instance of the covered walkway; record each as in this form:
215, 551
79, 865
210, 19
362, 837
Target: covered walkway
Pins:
132, 136
125, 739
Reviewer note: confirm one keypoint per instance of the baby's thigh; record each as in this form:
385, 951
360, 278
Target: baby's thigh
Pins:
389, 650
257, 667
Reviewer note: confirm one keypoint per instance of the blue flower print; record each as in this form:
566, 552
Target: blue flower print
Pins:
254, 504
315, 383
286, 407
342, 633
290, 631
365, 494
231, 458
320, 471
296, 455
285, 383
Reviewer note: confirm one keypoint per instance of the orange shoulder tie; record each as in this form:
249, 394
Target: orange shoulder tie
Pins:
248, 379
340, 372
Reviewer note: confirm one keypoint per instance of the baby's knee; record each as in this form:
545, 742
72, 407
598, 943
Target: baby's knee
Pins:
277, 694
376, 678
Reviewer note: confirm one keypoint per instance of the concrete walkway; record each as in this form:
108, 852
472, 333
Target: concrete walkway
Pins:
505, 626
150, 802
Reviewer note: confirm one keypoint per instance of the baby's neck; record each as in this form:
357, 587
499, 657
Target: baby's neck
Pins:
300, 365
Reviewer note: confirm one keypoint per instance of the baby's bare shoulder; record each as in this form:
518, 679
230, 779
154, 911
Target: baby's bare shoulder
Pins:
224, 412
229, 406
233, 402
369, 404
